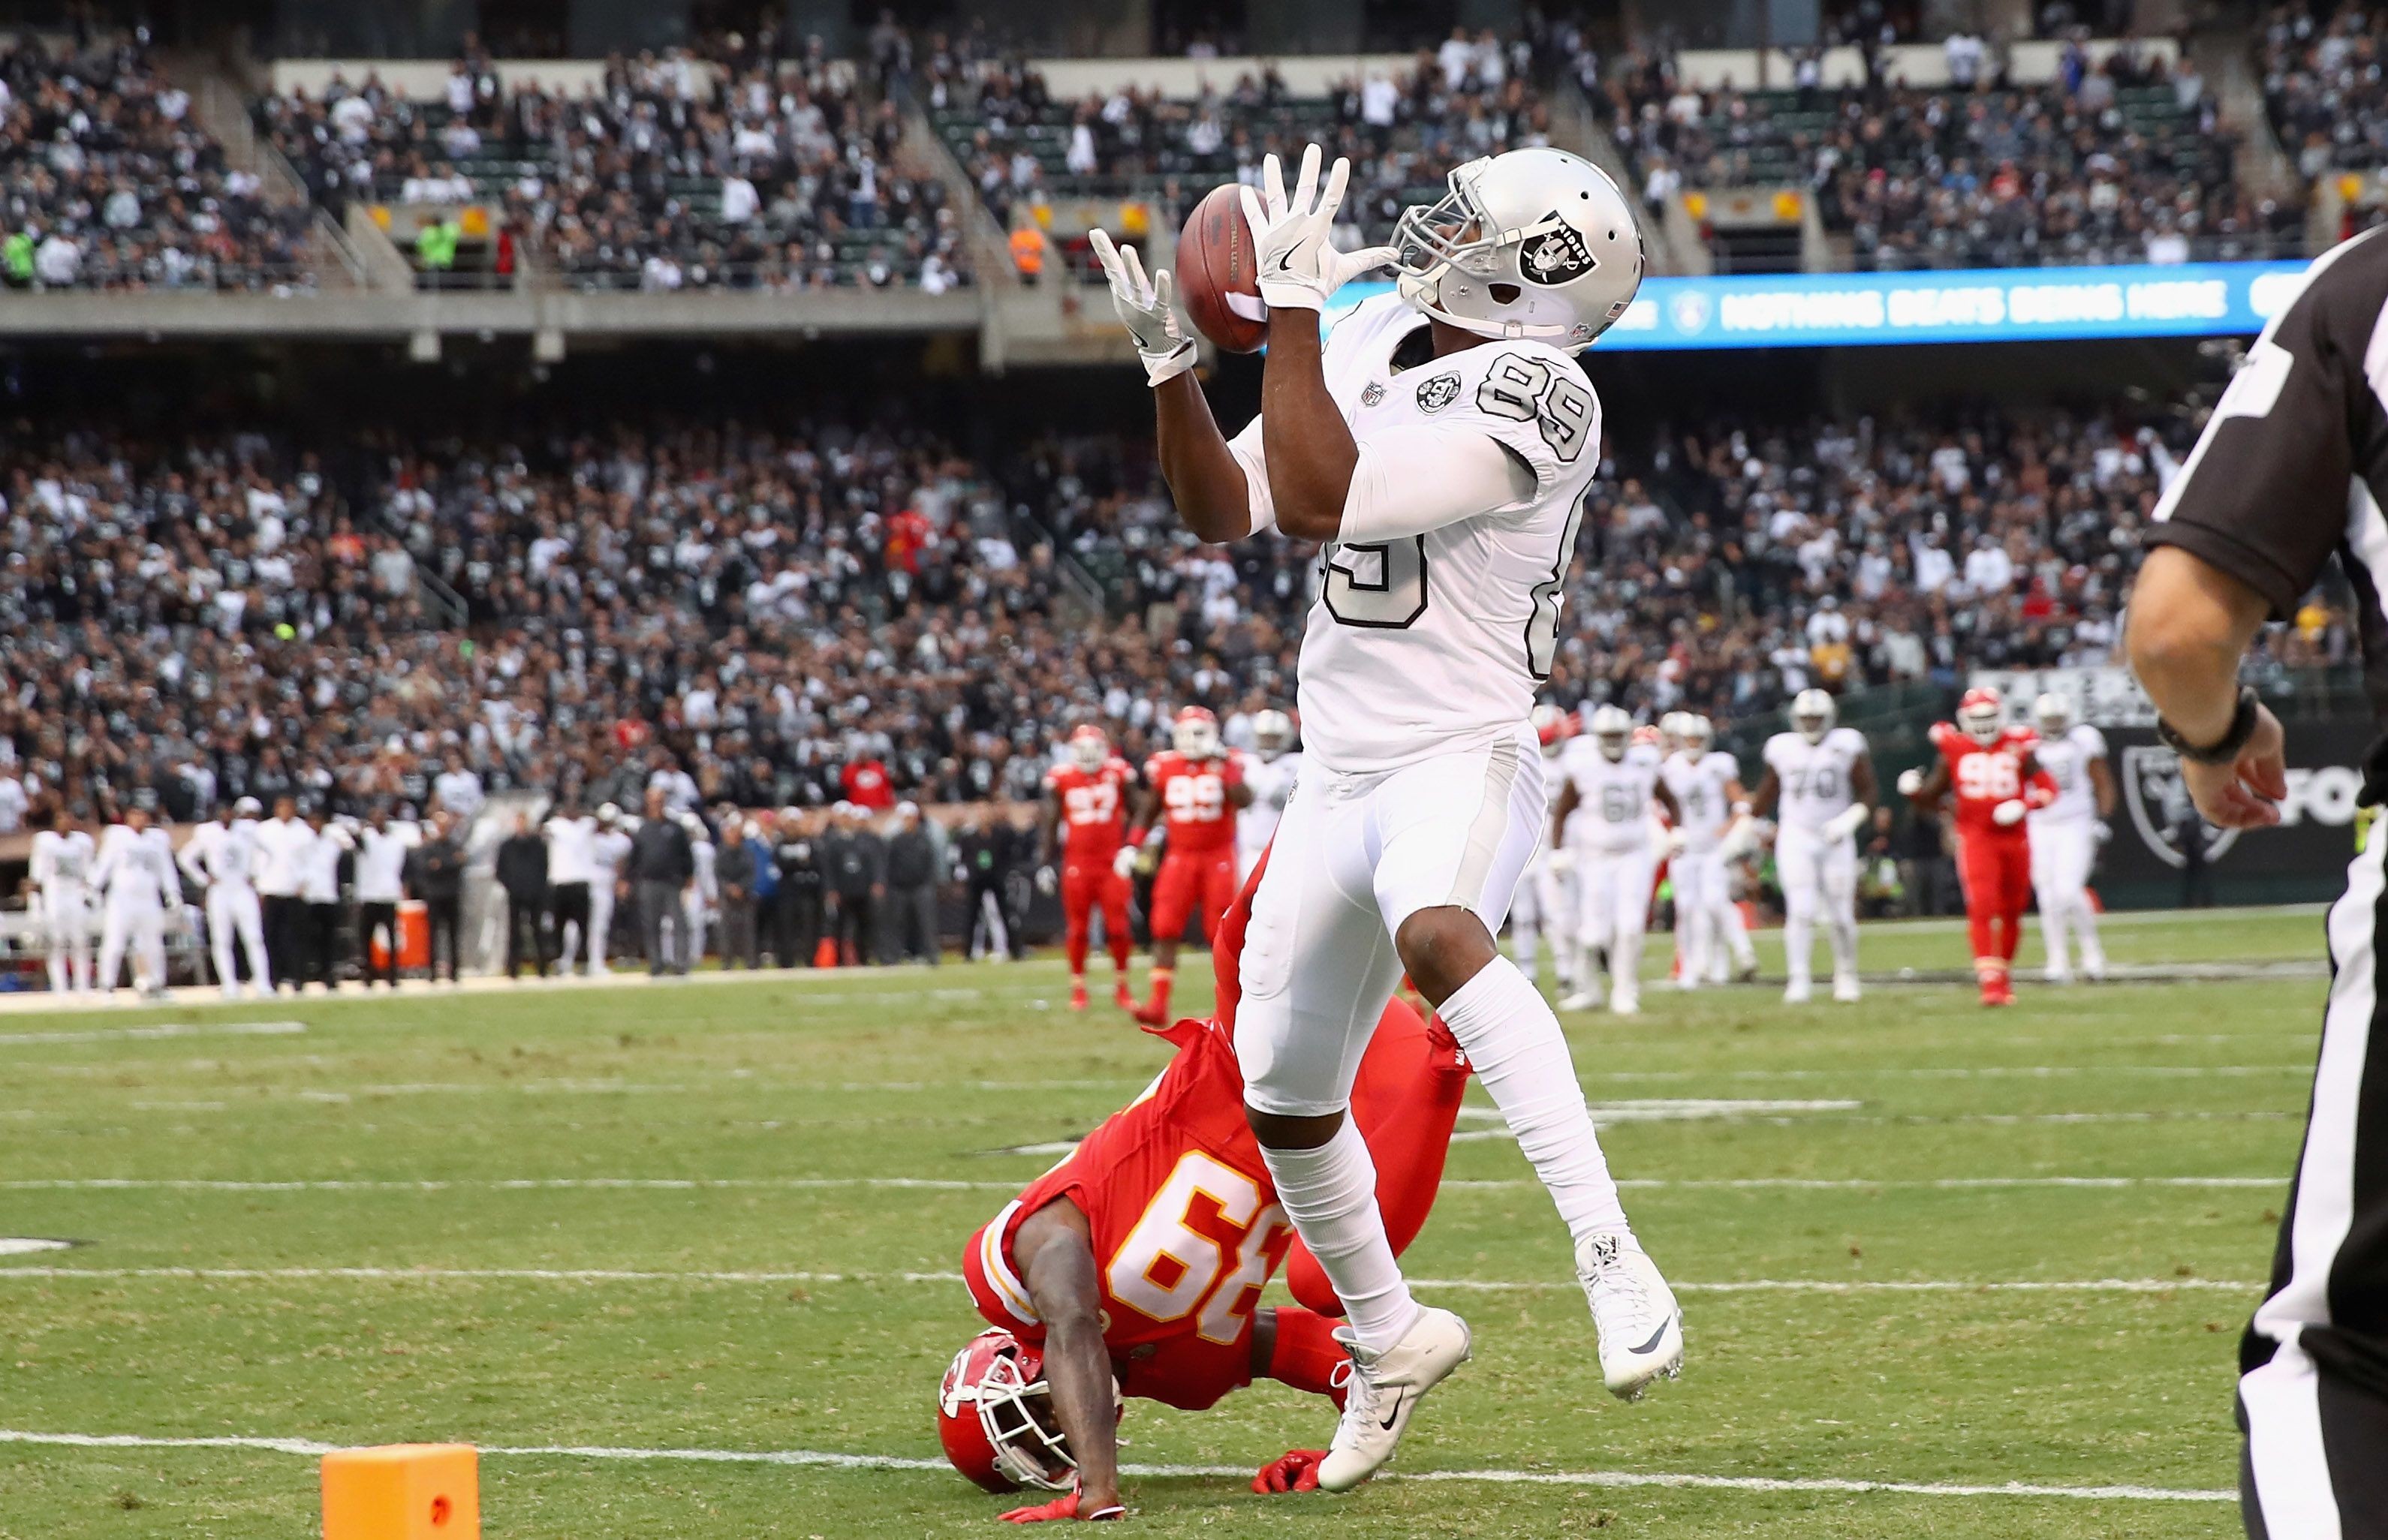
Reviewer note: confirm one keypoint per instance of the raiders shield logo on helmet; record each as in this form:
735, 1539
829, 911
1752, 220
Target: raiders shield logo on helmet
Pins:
2155, 792
1438, 393
1559, 255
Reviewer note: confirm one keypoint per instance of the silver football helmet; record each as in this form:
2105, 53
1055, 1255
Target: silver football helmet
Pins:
1271, 734
1698, 733
1535, 243
1613, 731
1813, 714
2054, 715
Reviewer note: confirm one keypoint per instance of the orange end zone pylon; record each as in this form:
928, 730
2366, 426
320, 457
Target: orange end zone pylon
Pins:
402, 1492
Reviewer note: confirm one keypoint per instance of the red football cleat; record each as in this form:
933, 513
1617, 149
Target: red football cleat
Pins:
1148, 1014
1078, 995
1121, 997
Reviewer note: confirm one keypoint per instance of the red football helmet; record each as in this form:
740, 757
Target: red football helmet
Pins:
1195, 733
1089, 748
1982, 715
996, 1420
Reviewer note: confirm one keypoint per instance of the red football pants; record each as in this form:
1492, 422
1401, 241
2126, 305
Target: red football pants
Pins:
1087, 886
1192, 881
1995, 871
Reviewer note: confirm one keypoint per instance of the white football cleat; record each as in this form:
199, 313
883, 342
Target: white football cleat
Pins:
2059, 976
1384, 1389
1581, 1000
1844, 988
1625, 1002
1640, 1325
1795, 992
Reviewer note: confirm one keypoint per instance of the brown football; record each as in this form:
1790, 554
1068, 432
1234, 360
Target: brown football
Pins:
1217, 276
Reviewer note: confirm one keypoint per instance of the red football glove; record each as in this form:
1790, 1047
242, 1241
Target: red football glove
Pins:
1295, 1470
1065, 1506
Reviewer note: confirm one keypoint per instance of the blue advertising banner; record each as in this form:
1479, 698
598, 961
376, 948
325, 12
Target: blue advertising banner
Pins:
2194, 299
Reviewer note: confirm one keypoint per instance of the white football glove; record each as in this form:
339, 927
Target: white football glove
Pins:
1045, 882
1560, 863
2008, 814
1125, 862
1676, 840
1848, 821
1300, 268
1144, 310
2099, 833
1911, 781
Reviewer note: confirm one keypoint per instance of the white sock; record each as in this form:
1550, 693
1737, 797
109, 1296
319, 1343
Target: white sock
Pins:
1525, 939
1798, 941
1330, 1195
1520, 1055
2085, 915
1845, 942
2052, 929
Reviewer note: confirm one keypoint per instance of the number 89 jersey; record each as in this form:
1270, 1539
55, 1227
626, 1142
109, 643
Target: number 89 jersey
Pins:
1432, 643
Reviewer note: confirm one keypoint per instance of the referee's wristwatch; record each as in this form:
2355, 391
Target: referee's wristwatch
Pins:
2225, 750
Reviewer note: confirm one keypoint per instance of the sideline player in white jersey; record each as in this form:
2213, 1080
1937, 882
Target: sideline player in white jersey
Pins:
139, 886
2066, 835
609, 853
1603, 821
1270, 771
62, 859
1819, 786
1712, 824
703, 893
222, 857
1439, 446
1545, 902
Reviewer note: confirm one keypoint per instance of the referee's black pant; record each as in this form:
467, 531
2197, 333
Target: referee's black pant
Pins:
2313, 1386
285, 939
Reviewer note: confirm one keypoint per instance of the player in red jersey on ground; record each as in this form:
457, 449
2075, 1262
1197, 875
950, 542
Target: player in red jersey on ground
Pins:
1193, 787
1085, 825
1137, 1262
1989, 767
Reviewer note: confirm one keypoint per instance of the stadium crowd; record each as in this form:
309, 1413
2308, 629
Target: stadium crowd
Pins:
748, 170
2126, 159
107, 182
2324, 87
1477, 94
799, 617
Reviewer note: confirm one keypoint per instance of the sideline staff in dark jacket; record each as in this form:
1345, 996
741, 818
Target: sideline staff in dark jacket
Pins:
856, 860
796, 913
435, 873
663, 862
522, 872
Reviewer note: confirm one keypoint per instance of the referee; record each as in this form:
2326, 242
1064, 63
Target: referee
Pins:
2293, 467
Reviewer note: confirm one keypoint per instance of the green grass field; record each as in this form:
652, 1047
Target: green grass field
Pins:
718, 1165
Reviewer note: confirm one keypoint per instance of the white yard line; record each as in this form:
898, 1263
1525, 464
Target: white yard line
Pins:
939, 1184
155, 1029
1482, 1285
310, 1448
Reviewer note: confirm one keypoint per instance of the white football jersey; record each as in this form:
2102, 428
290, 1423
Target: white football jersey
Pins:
62, 861
224, 852
1703, 789
2067, 759
1271, 781
1432, 643
137, 871
1613, 796
608, 850
1813, 778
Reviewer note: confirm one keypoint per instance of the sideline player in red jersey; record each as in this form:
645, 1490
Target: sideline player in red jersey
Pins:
1135, 1265
1996, 781
1085, 825
1194, 787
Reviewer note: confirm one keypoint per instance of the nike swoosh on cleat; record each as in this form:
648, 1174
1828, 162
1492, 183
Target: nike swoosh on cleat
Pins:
1652, 1345
1388, 1423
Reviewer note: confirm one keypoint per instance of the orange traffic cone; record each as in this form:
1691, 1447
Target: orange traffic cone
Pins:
825, 954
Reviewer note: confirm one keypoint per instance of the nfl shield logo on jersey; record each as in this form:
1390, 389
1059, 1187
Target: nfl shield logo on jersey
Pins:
1438, 393
2153, 791
1374, 394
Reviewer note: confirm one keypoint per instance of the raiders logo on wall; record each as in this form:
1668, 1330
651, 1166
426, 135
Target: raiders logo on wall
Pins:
1559, 255
2152, 790
1438, 393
